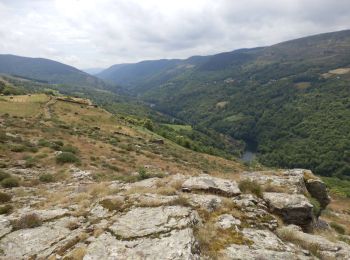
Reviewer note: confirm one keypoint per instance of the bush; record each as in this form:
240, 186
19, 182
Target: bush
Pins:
4, 175
10, 182
18, 148
27, 221
316, 206
338, 228
5, 209
70, 149
143, 174
66, 157
248, 186
4, 197
46, 177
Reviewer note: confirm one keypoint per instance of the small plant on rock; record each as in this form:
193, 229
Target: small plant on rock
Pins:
46, 177
10, 182
4, 197
249, 186
31, 220
143, 174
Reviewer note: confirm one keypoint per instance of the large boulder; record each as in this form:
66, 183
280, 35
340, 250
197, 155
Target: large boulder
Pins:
141, 222
177, 245
292, 208
318, 190
289, 181
211, 184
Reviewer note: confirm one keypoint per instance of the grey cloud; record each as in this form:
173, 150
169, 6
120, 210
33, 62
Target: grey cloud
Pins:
95, 33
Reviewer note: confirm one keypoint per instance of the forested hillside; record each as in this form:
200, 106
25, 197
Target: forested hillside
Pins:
290, 99
47, 71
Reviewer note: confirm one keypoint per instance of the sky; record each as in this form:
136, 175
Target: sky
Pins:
100, 33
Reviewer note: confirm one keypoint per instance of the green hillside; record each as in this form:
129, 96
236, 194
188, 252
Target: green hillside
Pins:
291, 99
47, 71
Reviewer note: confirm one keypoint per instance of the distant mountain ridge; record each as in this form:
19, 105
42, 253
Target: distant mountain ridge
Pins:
46, 70
289, 99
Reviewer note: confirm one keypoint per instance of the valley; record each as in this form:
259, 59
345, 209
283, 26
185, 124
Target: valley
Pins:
238, 155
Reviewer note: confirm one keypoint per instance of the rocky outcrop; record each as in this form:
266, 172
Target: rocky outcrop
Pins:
143, 222
211, 184
177, 244
293, 208
318, 245
265, 245
318, 190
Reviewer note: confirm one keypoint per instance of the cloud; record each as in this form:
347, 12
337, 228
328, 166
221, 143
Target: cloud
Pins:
95, 33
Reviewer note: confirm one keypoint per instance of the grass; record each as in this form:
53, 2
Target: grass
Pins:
47, 177
10, 182
67, 157
6, 209
179, 127
31, 220
249, 186
4, 197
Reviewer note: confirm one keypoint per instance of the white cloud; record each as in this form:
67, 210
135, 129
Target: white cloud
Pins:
93, 33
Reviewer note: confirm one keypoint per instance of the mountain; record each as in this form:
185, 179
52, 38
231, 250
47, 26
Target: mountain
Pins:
93, 71
47, 71
77, 182
289, 102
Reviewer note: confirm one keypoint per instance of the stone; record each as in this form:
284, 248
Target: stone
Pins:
207, 202
149, 199
265, 245
177, 245
141, 222
293, 208
25, 243
5, 226
227, 221
325, 248
147, 184
211, 184
318, 190
290, 181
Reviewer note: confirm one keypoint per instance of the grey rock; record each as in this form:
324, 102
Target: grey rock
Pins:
293, 208
325, 248
140, 222
178, 245
207, 202
150, 200
211, 184
291, 181
29, 242
5, 226
318, 190
265, 245
227, 221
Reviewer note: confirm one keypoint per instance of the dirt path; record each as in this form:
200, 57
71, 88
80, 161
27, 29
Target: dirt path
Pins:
47, 108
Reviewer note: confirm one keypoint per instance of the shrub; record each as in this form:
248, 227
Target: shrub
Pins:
46, 177
31, 220
70, 149
10, 182
5, 209
4, 175
44, 143
338, 228
249, 186
143, 173
66, 157
18, 148
316, 206
4, 197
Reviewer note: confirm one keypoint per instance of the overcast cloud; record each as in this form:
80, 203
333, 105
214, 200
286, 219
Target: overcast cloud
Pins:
99, 33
